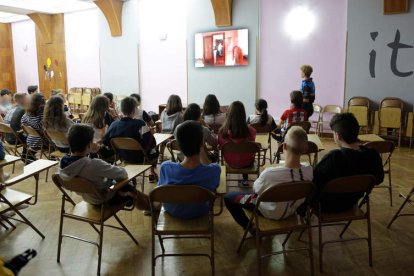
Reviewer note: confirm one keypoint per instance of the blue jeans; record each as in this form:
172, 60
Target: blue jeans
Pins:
236, 202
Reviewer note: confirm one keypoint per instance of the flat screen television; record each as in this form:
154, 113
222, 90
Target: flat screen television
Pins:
222, 48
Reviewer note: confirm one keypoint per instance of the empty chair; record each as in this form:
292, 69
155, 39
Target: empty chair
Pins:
385, 149
86, 99
328, 110
362, 184
390, 117
283, 192
165, 226
360, 107
316, 116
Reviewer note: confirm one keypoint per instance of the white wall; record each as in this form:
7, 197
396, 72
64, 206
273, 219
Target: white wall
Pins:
119, 55
163, 68
228, 83
82, 48
25, 54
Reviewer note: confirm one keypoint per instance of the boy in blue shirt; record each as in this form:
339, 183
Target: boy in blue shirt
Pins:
195, 169
307, 88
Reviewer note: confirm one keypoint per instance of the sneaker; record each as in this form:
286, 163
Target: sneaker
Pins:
244, 184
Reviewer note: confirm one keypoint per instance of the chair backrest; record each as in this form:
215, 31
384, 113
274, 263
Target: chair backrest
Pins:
181, 194
30, 131
381, 146
261, 128
76, 184
350, 184
173, 146
57, 136
287, 191
215, 127
306, 125
312, 149
241, 147
125, 143
317, 108
5, 128
330, 108
359, 101
390, 113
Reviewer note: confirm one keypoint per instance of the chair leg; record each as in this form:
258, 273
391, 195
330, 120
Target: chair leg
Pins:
213, 271
28, 223
407, 199
286, 239
60, 231
369, 236
153, 253
100, 247
258, 256
310, 248
125, 229
320, 247
345, 228
243, 238
390, 185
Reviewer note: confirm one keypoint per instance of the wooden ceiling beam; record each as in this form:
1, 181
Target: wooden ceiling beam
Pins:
112, 10
44, 23
222, 12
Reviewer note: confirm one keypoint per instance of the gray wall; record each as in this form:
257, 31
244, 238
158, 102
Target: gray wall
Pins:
228, 83
365, 17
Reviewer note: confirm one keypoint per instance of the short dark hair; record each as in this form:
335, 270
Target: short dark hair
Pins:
110, 96
5, 92
192, 112
32, 88
296, 98
136, 97
347, 126
128, 105
190, 137
79, 137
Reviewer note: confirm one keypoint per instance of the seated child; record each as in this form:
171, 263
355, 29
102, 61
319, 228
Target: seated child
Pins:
295, 114
136, 129
211, 111
97, 171
194, 169
236, 130
140, 113
172, 115
308, 88
261, 116
295, 143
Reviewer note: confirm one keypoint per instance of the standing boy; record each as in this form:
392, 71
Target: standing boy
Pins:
308, 88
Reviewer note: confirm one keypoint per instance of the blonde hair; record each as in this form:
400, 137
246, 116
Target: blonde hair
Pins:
307, 70
296, 140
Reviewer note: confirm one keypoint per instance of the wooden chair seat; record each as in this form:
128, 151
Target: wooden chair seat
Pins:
170, 224
93, 212
16, 198
270, 225
354, 214
58, 154
250, 170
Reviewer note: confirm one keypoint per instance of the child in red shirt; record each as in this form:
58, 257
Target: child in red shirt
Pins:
235, 129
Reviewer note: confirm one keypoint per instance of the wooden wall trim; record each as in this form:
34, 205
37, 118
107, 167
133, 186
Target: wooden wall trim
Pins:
222, 12
112, 10
44, 24
7, 70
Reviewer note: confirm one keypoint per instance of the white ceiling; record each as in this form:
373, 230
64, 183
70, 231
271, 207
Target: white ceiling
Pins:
16, 10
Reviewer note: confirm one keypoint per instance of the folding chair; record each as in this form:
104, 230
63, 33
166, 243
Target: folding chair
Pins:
264, 130
360, 107
86, 99
346, 185
173, 149
85, 212
32, 132
124, 143
252, 148
6, 130
316, 116
327, 110
312, 153
390, 116
10, 200
283, 192
56, 136
166, 226
385, 148
407, 199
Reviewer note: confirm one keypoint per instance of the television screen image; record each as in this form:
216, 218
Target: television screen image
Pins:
222, 48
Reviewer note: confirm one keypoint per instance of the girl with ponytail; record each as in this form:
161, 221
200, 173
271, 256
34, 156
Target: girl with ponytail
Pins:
261, 117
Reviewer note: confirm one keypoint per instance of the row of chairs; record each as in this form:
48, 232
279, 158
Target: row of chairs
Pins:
80, 98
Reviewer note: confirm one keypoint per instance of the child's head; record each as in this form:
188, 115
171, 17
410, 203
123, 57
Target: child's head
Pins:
32, 89
96, 112
211, 105
296, 98
296, 140
80, 138
137, 97
110, 97
36, 104
235, 122
190, 138
174, 104
54, 113
345, 127
192, 112
261, 108
6, 95
306, 70
129, 106
20, 98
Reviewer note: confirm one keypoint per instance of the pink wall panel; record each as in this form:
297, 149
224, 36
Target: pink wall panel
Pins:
281, 56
